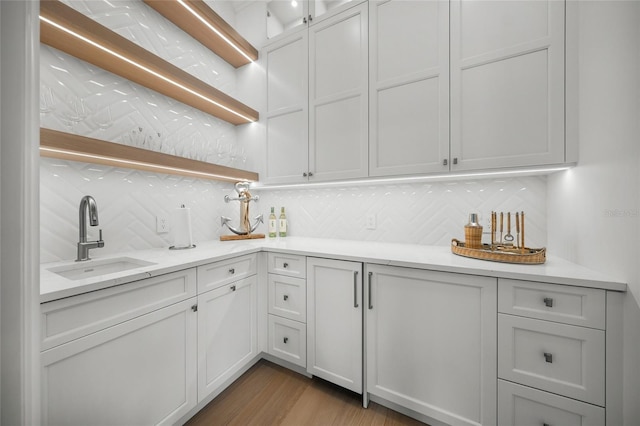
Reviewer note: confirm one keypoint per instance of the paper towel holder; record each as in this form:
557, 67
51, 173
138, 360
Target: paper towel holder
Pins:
185, 247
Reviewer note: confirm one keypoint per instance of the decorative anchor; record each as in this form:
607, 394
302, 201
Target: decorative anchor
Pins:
244, 196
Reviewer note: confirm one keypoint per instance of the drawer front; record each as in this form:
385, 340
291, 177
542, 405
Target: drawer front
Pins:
524, 406
559, 303
558, 358
288, 264
67, 319
217, 274
288, 340
288, 297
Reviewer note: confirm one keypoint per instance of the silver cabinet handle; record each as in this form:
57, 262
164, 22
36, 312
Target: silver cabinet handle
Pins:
232, 271
355, 289
286, 297
286, 339
370, 299
285, 265
548, 357
233, 288
548, 302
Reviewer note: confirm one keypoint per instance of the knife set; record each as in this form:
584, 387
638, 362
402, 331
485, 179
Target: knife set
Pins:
504, 247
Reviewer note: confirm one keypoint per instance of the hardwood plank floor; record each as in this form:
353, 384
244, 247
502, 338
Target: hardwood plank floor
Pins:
268, 394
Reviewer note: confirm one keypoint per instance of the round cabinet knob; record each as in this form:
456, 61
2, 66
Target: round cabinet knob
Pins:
233, 288
286, 297
286, 339
285, 265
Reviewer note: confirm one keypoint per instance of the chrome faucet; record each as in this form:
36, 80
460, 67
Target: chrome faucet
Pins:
87, 205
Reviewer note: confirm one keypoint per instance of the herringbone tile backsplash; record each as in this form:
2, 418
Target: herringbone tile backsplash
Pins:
79, 98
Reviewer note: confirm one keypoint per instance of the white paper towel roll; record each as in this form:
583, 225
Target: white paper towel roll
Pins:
181, 227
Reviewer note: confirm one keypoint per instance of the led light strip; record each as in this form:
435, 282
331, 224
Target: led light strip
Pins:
143, 68
214, 29
128, 163
415, 179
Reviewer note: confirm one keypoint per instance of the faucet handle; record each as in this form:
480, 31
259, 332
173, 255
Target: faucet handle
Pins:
100, 241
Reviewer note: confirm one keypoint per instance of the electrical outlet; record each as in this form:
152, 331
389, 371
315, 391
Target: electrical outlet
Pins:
371, 221
162, 224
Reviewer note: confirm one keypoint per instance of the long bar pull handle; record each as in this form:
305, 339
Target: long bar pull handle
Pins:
370, 299
355, 289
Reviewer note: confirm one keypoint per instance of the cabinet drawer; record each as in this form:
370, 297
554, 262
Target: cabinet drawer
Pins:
560, 303
288, 297
524, 406
214, 275
67, 319
287, 264
559, 358
288, 340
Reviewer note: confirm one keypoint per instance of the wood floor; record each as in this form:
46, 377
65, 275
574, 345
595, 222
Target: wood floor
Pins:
268, 394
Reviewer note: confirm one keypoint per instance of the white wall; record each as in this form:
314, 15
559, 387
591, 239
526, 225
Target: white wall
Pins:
594, 209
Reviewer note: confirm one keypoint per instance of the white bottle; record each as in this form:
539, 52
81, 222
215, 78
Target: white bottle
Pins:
272, 224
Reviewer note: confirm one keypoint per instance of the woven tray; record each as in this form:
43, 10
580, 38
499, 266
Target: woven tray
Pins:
525, 255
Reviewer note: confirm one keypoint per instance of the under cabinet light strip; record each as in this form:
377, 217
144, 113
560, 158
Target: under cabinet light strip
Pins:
128, 163
415, 179
214, 29
143, 68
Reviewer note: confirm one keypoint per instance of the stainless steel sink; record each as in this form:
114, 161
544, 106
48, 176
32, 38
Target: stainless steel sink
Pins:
94, 268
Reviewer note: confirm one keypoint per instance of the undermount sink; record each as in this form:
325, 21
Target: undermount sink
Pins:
94, 268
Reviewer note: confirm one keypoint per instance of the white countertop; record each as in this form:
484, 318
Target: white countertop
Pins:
555, 270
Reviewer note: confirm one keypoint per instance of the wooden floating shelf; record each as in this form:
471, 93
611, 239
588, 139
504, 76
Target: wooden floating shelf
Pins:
72, 32
67, 146
183, 14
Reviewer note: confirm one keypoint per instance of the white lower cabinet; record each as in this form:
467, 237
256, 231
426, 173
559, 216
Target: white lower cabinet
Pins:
227, 333
431, 343
141, 371
334, 321
524, 406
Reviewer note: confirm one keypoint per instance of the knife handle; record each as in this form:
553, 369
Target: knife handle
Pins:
509, 223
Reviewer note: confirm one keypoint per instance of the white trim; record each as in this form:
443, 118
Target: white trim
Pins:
20, 213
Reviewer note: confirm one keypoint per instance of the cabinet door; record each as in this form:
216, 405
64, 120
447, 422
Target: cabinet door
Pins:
141, 371
334, 321
409, 87
227, 333
338, 96
431, 342
507, 83
287, 110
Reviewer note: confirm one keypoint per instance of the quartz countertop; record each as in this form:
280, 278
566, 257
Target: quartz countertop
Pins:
437, 258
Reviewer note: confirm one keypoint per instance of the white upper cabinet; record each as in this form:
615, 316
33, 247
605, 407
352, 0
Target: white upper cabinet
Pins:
287, 114
317, 101
409, 87
507, 83
284, 17
338, 96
